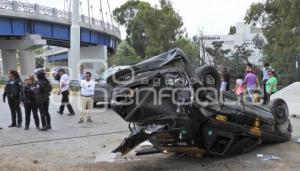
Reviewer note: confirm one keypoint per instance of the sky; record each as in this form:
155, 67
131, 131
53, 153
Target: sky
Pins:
209, 16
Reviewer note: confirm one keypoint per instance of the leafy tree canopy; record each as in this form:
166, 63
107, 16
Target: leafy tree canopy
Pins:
39, 62
125, 55
190, 47
150, 30
280, 21
232, 30
219, 55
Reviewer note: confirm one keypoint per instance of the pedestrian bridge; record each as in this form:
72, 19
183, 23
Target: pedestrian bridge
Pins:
25, 27
19, 19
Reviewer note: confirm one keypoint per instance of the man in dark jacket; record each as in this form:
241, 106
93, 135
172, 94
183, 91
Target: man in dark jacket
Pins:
12, 92
29, 101
42, 93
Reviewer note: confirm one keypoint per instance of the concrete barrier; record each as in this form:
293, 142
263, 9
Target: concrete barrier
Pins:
291, 94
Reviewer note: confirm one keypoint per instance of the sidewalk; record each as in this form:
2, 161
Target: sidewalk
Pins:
67, 144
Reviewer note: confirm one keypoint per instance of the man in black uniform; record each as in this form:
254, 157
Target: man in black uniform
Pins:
29, 102
13, 92
42, 93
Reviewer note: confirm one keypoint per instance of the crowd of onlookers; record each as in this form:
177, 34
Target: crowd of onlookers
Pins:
249, 87
33, 94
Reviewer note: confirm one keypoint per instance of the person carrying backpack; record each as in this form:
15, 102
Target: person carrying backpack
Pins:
42, 93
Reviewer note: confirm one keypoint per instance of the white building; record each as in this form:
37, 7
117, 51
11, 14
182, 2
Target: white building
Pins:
244, 35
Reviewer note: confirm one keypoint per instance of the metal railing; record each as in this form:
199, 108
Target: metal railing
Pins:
46, 13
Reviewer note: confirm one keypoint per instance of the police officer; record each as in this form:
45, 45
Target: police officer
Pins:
42, 93
13, 93
64, 85
29, 102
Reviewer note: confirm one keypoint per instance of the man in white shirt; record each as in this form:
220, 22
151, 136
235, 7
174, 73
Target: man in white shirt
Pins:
87, 91
64, 85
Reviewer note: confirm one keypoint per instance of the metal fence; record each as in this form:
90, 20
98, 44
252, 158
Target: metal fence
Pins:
45, 13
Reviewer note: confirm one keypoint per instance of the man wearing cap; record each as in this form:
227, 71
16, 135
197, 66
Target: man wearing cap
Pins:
87, 90
64, 85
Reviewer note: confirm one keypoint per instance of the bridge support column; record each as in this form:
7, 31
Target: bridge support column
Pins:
27, 62
9, 60
94, 58
74, 55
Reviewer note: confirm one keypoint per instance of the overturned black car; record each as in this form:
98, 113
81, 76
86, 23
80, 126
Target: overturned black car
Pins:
178, 109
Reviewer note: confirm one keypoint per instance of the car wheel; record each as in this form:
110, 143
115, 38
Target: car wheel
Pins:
279, 110
285, 130
209, 77
95, 104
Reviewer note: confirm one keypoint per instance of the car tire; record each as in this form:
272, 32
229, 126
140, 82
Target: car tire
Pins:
285, 130
209, 77
279, 110
95, 104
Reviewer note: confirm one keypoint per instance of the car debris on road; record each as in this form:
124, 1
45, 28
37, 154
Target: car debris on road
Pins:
267, 157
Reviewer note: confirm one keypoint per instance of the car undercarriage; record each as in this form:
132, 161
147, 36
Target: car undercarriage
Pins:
179, 109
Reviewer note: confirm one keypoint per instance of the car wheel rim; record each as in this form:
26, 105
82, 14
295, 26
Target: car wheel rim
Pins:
210, 80
281, 110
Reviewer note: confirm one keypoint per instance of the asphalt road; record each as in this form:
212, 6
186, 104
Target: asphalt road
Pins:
70, 146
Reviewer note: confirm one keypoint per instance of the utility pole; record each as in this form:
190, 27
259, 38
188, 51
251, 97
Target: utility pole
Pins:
74, 55
89, 12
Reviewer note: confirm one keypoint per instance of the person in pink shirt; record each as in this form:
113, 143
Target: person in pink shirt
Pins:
239, 87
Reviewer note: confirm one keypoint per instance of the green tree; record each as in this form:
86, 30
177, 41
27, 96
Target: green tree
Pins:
239, 58
280, 22
191, 49
259, 42
39, 62
150, 30
219, 55
232, 30
125, 55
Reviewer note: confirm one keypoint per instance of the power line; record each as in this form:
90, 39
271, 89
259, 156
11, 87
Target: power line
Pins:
101, 10
112, 21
